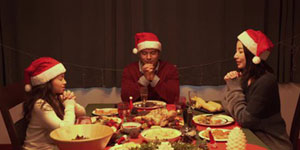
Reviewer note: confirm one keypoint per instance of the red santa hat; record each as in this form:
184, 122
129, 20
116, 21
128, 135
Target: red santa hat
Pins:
146, 40
257, 43
41, 71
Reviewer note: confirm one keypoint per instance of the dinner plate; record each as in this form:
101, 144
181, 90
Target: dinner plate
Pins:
105, 119
105, 111
218, 134
161, 134
157, 104
213, 120
125, 146
115, 119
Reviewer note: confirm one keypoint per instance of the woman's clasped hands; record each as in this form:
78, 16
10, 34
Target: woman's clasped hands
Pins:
232, 75
67, 96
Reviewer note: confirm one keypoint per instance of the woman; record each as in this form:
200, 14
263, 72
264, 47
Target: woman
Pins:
48, 105
252, 95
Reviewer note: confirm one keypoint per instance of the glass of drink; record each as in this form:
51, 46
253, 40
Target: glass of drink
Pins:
180, 104
193, 94
123, 110
144, 95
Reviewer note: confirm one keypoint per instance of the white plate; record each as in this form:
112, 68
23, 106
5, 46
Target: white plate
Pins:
160, 134
158, 104
201, 134
116, 119
105, 111
217, 120
101, 121
125, 146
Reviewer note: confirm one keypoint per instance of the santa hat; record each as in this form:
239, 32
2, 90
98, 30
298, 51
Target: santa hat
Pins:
146, 40
41, 71
257, 43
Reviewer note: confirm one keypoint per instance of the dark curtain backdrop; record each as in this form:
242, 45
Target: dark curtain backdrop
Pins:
95, 38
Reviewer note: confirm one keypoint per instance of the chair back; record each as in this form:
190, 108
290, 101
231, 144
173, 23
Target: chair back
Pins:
11, 96
294, 134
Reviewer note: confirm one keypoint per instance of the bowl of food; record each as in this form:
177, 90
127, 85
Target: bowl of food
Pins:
83, 136
161, 134
128, 127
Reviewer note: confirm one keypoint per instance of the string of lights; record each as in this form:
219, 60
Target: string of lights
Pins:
294, 47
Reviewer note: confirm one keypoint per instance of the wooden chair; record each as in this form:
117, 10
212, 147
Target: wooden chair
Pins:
11, 96
294, 134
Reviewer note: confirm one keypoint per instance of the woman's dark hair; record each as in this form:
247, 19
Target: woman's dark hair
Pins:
44, 92
251, 70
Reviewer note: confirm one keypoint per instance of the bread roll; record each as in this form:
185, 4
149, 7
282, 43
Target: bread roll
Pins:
198, 105
217, 105
194, 98
199, 102
209, 107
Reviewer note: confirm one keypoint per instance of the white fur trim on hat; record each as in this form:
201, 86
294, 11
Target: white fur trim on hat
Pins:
256, 60
248, 42
48, 74
149, 44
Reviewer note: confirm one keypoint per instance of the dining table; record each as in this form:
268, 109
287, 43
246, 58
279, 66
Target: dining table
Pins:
253, 142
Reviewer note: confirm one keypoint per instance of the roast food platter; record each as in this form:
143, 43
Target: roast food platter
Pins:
160, 117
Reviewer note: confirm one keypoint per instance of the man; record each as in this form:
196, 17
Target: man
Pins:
160, 77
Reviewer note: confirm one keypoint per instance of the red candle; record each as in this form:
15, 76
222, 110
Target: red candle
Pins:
212, 141
130, 102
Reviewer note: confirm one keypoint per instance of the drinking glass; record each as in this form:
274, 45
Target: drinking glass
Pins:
123, 110
144, 95
180, 104
191, 95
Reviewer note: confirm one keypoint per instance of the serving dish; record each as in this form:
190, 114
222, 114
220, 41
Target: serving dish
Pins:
161, 134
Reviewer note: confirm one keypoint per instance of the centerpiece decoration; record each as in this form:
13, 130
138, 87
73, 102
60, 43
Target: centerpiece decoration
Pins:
236, 140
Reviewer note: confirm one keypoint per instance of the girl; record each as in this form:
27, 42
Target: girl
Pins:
48, 105
252, 95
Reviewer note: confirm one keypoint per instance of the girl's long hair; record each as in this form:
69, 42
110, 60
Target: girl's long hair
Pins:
253, 71
45, 93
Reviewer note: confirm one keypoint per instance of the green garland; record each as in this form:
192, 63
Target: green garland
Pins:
175, 145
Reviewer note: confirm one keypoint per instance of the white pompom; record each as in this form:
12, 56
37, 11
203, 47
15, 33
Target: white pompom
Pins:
27, 87
256, 60
135, 51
